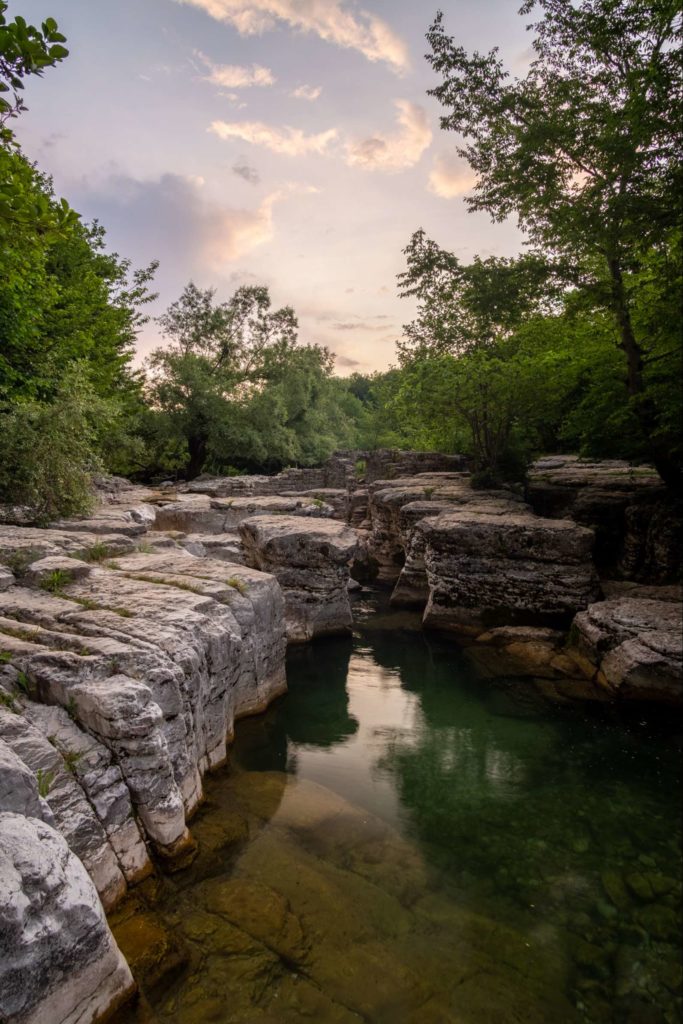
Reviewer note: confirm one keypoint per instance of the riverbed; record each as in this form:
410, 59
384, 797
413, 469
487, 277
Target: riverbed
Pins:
397, 840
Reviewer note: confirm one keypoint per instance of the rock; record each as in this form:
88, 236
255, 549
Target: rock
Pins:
200, 514
154, 954
55, 572
58, 959
487, 569
637, 524
310, 559
19, 787
636, 647
6, 578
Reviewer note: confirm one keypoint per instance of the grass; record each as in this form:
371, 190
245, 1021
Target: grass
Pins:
163, 582
71, 759
5, 657
95, 606
45, 780
97, 552
318, 502
23, 682
238, 585
7, 701
30, 635
19, 561
428, 491
55, 581
71, 709
145, 548
360, 467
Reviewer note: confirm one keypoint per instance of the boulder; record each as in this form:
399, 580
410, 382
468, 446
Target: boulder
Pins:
635, 646
59, 962
310, 559
487, 570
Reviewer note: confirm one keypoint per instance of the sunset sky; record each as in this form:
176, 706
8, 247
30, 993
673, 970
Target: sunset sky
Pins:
284, 142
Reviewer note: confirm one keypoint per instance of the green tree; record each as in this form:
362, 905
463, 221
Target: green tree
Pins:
585, 150
24, 50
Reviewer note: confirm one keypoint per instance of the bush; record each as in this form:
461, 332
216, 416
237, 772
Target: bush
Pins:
49, 452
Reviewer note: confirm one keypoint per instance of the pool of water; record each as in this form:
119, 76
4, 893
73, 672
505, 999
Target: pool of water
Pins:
398, 841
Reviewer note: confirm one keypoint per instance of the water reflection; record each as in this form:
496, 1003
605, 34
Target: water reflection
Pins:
400, 840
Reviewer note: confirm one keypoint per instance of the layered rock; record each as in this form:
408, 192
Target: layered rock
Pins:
58, 959
487, 569
199, 514
637, 524
633, 647
310, 560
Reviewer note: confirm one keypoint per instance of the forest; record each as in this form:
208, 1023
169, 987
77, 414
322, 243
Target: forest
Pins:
572, 346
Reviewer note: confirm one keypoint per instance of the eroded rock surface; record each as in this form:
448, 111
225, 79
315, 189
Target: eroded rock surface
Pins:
58, 959
636, 644
310, 560
487, 569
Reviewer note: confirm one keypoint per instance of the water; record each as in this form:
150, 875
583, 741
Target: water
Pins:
398, 841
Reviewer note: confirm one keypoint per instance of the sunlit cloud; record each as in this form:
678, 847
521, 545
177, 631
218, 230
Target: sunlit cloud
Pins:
307, 92
450, 177
331, 20
234, 76
394, 151
287, 141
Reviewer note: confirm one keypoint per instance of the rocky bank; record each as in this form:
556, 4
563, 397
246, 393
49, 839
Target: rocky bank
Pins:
131, 641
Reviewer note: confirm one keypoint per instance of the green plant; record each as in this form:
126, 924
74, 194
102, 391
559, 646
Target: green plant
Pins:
84, 652
45, 780
238, 585
5, 657
23, 682
360, 468
87, 603
428, 492
318, 502
145, 548
97, 552
125, 613
71, 708
19, 561
7, 701
113, 565
55, 581
21, 634
71, 759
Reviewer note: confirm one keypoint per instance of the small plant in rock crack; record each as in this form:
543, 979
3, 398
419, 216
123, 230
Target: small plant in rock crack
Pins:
7, 701
45, 780
145, 548
19, 561
71, 759
5, 657
97, 552
428, 492
23, 682
55, 581
238, 585
115, 665
71, 708
318, 502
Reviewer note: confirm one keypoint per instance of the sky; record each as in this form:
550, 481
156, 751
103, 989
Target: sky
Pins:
289, 143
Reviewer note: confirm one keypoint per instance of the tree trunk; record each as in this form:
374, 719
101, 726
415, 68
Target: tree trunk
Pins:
197, 448
668, 467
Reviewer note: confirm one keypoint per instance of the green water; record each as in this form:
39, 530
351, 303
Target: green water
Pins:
397, 841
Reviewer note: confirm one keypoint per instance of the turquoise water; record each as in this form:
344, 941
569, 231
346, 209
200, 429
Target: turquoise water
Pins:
399, 841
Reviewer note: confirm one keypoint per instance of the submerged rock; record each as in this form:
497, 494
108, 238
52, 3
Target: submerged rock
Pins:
58, 959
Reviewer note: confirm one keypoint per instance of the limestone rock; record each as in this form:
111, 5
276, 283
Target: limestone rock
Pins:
58, 959
636, 645
487, 570
310, 559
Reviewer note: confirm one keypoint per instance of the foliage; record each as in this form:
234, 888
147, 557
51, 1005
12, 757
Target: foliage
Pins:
584, 149
50, 450
234, 388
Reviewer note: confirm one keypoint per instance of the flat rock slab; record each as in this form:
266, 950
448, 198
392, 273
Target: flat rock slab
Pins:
310, 559
487, 570
636, 645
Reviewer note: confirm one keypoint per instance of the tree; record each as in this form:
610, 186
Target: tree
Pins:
24, 50
584, 149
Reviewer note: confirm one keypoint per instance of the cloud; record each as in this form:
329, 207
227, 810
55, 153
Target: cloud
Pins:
307, 92
450, 177
394, 151
288, 141
234, 76
244, 170
331, 20
172, 214
345, 360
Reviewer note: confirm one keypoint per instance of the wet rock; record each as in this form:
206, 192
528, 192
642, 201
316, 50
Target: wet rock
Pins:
58, 959
310, 559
